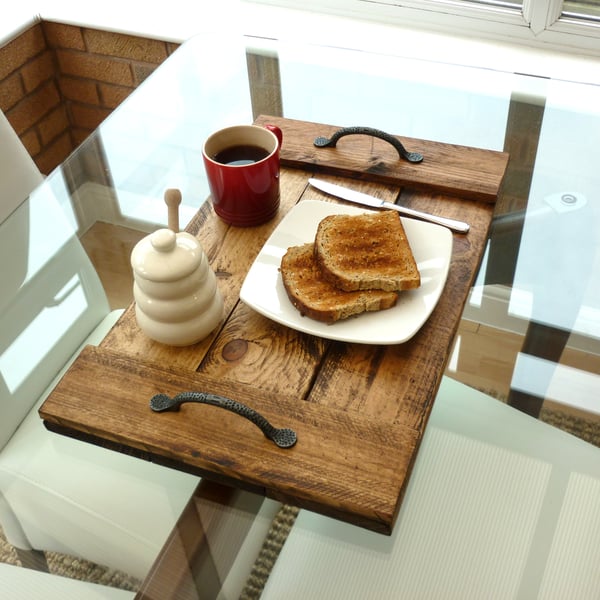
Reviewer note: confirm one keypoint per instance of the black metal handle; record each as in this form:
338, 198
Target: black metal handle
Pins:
323, 142
284, 438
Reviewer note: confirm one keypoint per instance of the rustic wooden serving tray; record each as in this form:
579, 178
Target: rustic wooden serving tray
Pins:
359, 410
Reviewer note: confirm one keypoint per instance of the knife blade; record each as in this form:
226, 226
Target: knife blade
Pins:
368, 200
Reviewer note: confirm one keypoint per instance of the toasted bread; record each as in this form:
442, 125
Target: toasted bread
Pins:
319, 299
366, 251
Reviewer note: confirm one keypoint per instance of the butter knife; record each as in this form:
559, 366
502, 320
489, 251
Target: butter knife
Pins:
367, 200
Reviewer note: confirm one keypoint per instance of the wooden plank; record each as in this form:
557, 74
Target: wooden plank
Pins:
349, 466
450, 169
357, 377
230, 252
253, 349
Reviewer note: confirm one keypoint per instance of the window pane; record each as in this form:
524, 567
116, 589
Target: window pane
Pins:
498, 3
582, 9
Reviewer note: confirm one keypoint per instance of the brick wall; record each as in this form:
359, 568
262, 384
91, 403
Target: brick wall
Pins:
58, 82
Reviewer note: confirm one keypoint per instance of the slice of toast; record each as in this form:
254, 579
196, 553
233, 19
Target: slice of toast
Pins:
366, 251
319, 299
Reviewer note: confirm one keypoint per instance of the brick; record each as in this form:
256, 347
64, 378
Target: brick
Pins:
23, 48
53, 124
31, 141
38, 70
112, 95
120, 45
79, 135
49, 158
80, 90
141, 72
87, 117
171, 47
33, 107
11, 91
60, 35
100, 68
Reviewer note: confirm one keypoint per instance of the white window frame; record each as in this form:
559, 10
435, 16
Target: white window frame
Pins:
539, 24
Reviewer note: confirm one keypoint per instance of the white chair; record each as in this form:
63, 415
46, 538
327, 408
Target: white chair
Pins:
499, 505
18, 584
56, 493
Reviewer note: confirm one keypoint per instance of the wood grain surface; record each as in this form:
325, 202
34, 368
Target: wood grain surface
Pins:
359, 410
474, 173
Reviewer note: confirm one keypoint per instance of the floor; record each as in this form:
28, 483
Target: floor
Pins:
483, 357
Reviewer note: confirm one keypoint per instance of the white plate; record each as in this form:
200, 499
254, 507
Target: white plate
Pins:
263, 288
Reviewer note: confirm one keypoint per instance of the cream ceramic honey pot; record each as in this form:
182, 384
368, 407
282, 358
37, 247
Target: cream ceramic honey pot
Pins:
175, 290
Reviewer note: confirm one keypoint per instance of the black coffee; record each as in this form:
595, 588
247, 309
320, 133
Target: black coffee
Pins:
240, 155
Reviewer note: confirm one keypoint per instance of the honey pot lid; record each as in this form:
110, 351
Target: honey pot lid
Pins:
166, 256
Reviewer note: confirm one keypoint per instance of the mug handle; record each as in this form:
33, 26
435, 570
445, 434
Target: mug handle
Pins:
278, 134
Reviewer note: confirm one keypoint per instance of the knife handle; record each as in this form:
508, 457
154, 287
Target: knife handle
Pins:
459, 226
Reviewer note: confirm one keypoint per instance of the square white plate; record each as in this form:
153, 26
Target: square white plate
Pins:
263, 287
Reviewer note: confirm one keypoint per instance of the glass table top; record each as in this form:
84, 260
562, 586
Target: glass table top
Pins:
539, 270
530, 334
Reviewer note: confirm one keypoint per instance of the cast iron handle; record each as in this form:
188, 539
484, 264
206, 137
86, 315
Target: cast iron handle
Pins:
284, 438
323, 142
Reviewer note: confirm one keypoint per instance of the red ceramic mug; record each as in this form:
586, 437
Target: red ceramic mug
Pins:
242, 164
